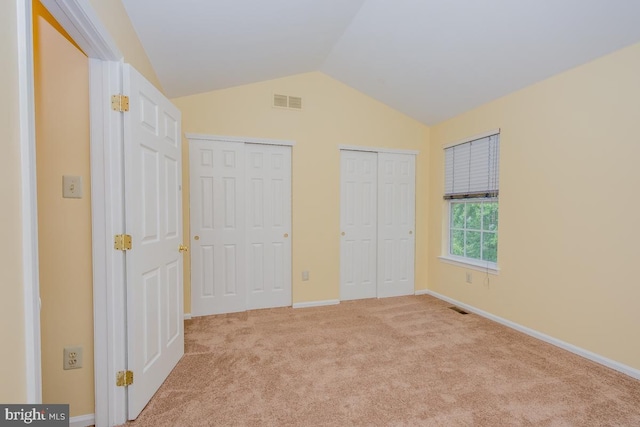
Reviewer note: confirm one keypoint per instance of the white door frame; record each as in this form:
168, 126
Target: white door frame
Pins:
79, 19
30, 271
238, 139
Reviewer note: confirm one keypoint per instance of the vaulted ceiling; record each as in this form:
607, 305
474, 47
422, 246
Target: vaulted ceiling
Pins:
430, 59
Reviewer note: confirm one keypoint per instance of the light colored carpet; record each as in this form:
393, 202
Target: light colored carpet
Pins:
396, 361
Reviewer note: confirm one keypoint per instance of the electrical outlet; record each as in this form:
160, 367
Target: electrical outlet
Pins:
305, 276
469, 278
72, 357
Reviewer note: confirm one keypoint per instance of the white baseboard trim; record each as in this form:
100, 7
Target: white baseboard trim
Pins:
625, 369
187, 316
82, 420
422, 292
315, 303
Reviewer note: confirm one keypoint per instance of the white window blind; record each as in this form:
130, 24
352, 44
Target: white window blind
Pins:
471, 168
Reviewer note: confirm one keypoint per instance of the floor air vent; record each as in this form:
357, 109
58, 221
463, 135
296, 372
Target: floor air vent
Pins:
459, 310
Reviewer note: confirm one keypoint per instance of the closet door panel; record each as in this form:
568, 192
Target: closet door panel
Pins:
217, 205
268, 225
396, 224
358, 221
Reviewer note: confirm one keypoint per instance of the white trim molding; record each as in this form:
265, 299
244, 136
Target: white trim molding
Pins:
238, 139
81, 22
82, 421
309, 304
422, 292
30, 263
470, 264
377, 149
620, 367
107, 206
187, 316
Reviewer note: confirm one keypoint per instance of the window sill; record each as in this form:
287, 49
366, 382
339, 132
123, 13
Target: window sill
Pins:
470, 264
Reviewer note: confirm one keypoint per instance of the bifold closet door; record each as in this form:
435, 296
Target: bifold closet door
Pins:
358, 221
240, 226
268, 225
377, 220
396, 224
217, 227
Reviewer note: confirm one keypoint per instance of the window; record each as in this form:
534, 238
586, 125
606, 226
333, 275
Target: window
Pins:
474, 229
471, 190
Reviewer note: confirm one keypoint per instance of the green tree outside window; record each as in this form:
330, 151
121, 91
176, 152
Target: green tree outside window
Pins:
474, 230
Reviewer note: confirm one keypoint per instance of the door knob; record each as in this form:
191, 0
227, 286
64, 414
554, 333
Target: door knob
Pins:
183, 248
343, 233
196, 237
411, 232
286, 235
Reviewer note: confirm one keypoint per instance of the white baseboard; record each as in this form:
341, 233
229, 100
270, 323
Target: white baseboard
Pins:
315, 303
187, 316
422, 292
82, 420
625, 369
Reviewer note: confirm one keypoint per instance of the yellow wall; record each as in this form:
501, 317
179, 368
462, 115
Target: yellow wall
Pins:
569, 175
12, 351
115, 19
64, 225
565, 253
333, 114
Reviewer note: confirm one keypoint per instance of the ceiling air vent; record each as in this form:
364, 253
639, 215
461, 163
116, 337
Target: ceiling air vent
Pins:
295, 102
280, 101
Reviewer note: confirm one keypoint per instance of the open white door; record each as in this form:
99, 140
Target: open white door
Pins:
153, 212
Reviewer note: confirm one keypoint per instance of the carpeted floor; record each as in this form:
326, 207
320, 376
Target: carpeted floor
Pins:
408, 361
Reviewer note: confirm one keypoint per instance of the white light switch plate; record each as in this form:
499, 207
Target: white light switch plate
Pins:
72, 187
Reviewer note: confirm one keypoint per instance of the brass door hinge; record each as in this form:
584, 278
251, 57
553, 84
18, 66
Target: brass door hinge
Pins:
124, 378
120, 103
122, 242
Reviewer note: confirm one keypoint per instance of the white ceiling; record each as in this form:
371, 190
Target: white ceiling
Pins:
430, 59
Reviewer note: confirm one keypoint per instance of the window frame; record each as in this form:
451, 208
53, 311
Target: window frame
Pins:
472, 263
